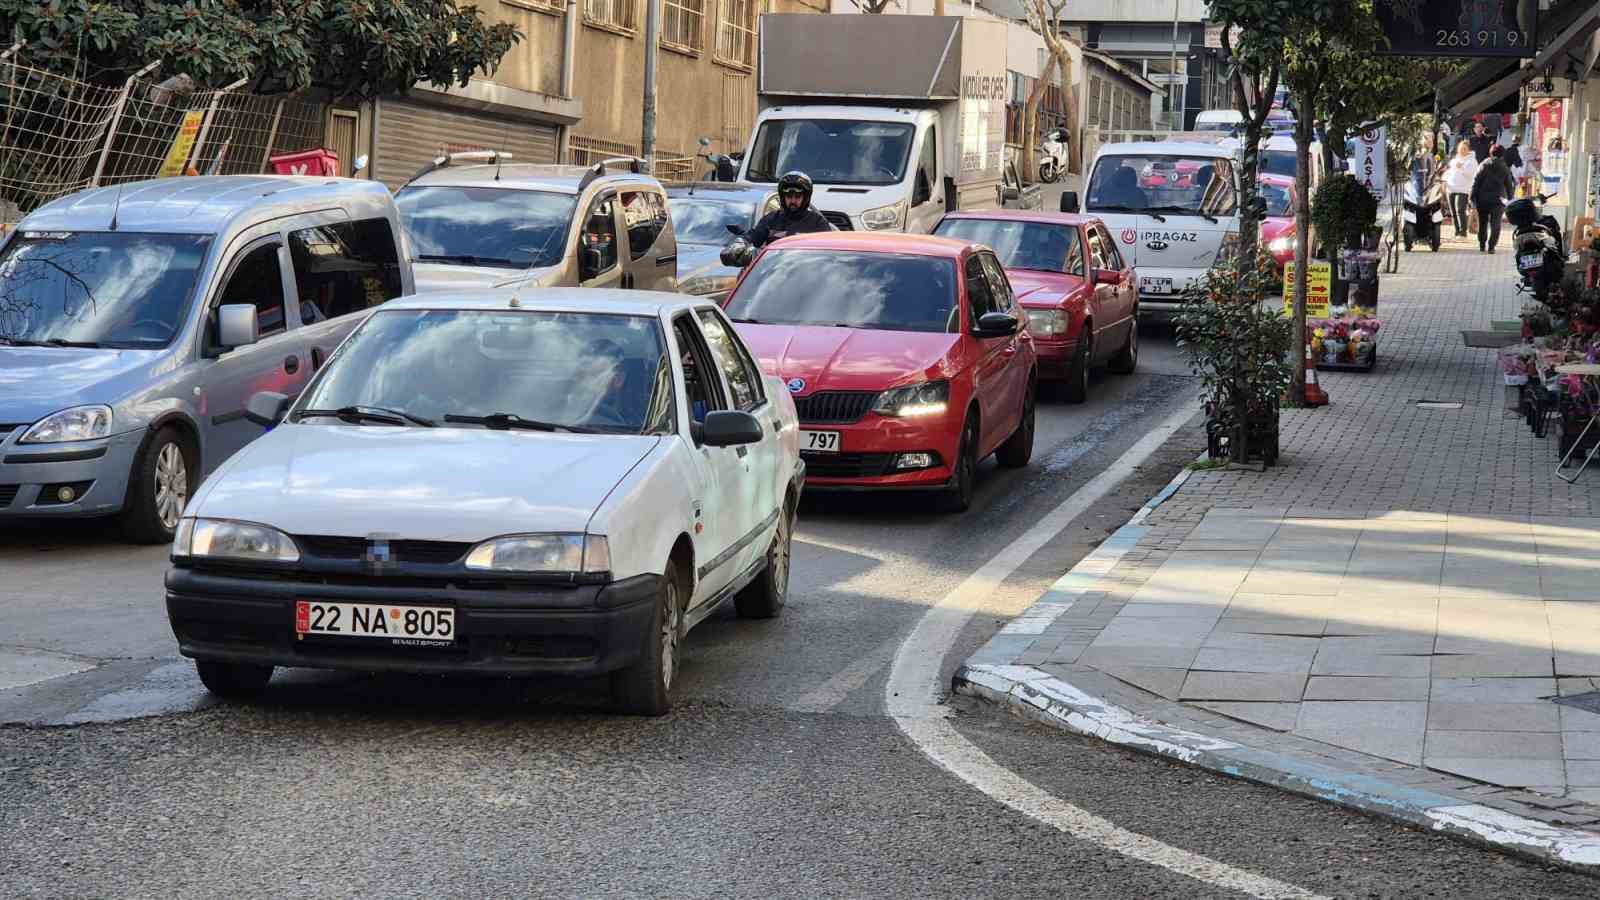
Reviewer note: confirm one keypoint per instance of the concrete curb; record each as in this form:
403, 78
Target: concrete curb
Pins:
991, 674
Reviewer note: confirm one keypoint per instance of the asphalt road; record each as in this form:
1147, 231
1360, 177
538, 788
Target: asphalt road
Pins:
777, 775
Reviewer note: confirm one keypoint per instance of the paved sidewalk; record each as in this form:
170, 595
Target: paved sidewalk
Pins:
1387, 618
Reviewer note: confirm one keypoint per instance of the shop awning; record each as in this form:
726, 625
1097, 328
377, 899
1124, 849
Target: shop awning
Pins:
1481, 85
1571, 48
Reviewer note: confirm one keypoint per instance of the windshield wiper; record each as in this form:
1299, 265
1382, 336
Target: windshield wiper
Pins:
1182, 211
740, 321
512, 421
467, 259
51, 342
368, 414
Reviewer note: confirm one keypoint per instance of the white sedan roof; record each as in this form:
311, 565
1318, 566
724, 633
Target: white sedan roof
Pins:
562, 299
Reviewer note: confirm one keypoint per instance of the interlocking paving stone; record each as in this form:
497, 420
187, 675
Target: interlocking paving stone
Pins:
1243, 686
1493, 716
1473, 744
1502, 770
1492, 690
1334, 687
1277, 716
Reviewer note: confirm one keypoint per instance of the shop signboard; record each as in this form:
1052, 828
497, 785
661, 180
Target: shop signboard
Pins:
1371, 164
1319, 288
182, 145
1459, 28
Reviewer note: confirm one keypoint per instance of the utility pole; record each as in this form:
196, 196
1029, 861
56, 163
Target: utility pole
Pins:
1172, 74
652, 45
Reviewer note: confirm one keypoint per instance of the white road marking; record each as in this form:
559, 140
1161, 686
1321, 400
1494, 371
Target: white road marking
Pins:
915, 692
847, 680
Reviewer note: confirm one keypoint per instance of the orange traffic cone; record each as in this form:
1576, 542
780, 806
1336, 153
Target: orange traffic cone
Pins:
1315, 395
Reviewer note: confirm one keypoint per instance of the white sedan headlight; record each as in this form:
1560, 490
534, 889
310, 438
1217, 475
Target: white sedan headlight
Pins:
543, 553
1047, 322
885, 218
80, 423
239, 541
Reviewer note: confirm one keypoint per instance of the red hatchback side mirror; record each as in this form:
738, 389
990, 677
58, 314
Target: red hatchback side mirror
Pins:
1107, 276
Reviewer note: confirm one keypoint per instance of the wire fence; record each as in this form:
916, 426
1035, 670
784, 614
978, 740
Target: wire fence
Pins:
59, 135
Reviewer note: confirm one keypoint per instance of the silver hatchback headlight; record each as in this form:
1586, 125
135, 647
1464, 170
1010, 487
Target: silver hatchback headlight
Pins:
80, 423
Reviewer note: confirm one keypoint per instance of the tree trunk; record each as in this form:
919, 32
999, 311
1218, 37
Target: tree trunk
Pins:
1069, 91
1302, 250
1030, 123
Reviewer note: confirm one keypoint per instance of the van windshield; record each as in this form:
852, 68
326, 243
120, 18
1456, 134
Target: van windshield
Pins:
501, 228
1176, 185
124, 290
832, 151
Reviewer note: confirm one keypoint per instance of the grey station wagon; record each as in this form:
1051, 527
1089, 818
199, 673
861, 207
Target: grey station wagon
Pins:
136, 323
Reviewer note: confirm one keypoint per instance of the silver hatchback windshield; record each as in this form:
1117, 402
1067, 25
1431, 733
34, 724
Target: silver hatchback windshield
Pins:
542, 371
98, 289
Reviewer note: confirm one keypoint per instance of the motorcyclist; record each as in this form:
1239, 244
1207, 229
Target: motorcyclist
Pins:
794, 215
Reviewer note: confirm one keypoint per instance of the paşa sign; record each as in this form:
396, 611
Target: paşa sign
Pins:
1459, 27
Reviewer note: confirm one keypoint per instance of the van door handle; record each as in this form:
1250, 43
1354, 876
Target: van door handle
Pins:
664, 260
317, 358
291, 364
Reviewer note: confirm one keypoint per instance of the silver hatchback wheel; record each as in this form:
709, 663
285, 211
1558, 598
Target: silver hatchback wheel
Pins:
172, 485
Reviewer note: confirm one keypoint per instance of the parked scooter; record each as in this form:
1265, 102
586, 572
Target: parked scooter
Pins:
1052, 157
1541, 258
1424, 216
724, 167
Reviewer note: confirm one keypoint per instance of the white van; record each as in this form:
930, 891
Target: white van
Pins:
1226, 121
1173, 208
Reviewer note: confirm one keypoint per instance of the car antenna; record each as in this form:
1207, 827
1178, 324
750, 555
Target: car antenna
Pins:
116, 206
497, 164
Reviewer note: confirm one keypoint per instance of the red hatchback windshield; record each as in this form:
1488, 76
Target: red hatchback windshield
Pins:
882, 291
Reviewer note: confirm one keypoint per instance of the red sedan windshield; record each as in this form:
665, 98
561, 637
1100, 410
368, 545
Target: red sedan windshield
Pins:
883, 291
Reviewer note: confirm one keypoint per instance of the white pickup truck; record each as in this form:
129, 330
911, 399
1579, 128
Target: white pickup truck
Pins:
1172, 207
897, 119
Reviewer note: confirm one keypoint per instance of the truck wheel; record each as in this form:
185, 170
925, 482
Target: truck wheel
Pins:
764, 597
163, 477
1127, 359
957, 497
1018, 448
1077, 386
233, 681
643, 689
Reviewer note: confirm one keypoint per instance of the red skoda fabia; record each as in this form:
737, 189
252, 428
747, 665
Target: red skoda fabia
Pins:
908, 357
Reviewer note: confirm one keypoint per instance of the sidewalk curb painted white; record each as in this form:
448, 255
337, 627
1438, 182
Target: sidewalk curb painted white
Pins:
1031, 692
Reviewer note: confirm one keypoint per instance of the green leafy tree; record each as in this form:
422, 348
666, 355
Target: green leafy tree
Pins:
346, 48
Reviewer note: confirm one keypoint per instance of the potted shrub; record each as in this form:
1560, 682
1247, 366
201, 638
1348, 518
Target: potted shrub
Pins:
1344, 215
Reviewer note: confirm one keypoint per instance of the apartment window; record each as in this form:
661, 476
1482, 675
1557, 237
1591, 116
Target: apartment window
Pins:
545, 6
682, 24
613, 15
736, 33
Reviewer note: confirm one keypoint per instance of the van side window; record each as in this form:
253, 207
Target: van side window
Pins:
600, 232
257, 281
641, 219
343, 268
927, 168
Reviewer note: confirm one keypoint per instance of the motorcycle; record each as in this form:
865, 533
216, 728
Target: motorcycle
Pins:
1052, 157
1424, 216
1537, 238
724, 167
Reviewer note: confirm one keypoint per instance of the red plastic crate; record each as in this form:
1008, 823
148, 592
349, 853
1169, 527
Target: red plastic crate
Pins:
321, 161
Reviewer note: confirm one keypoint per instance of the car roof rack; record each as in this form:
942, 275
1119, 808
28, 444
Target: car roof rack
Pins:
487, 157
598, 170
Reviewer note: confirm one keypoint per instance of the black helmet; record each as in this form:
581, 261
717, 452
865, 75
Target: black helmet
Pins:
795, 183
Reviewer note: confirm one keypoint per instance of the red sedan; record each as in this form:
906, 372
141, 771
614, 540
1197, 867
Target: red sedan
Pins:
1277, 229
1081, 297
908, 358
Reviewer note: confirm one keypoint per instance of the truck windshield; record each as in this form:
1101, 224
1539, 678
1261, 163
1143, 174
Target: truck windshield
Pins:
480, 226
832, 151
98, 289
882, 291
1176, 185
1041, 246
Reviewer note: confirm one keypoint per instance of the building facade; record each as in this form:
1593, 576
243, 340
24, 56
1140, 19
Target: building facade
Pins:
1165, 42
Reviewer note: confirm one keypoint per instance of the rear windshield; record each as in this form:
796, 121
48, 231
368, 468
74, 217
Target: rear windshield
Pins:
1043, 246
1278, 199
705, 220
486, 227
881, 291
1161, 184
1278, 162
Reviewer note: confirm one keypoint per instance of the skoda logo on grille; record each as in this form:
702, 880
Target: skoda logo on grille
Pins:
796, 385
1156, 245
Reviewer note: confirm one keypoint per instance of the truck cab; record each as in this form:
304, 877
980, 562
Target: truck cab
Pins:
896, 119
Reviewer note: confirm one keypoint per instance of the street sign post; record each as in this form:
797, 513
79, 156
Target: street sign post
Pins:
1461, 28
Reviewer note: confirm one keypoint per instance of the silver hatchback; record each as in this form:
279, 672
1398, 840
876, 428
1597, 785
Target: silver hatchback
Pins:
136, 322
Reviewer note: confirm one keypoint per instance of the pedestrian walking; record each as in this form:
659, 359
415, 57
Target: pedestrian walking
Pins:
1458, 175
1492, 188
1481, 142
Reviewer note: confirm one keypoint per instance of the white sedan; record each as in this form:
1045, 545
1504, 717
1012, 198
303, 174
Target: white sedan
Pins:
562, 481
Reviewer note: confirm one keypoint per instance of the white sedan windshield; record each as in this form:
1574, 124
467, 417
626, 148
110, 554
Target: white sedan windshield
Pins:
584, 372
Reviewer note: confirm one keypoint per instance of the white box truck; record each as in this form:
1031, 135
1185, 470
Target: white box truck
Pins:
897, 119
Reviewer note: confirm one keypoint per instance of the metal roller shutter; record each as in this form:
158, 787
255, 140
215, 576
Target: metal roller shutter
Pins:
411, 133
